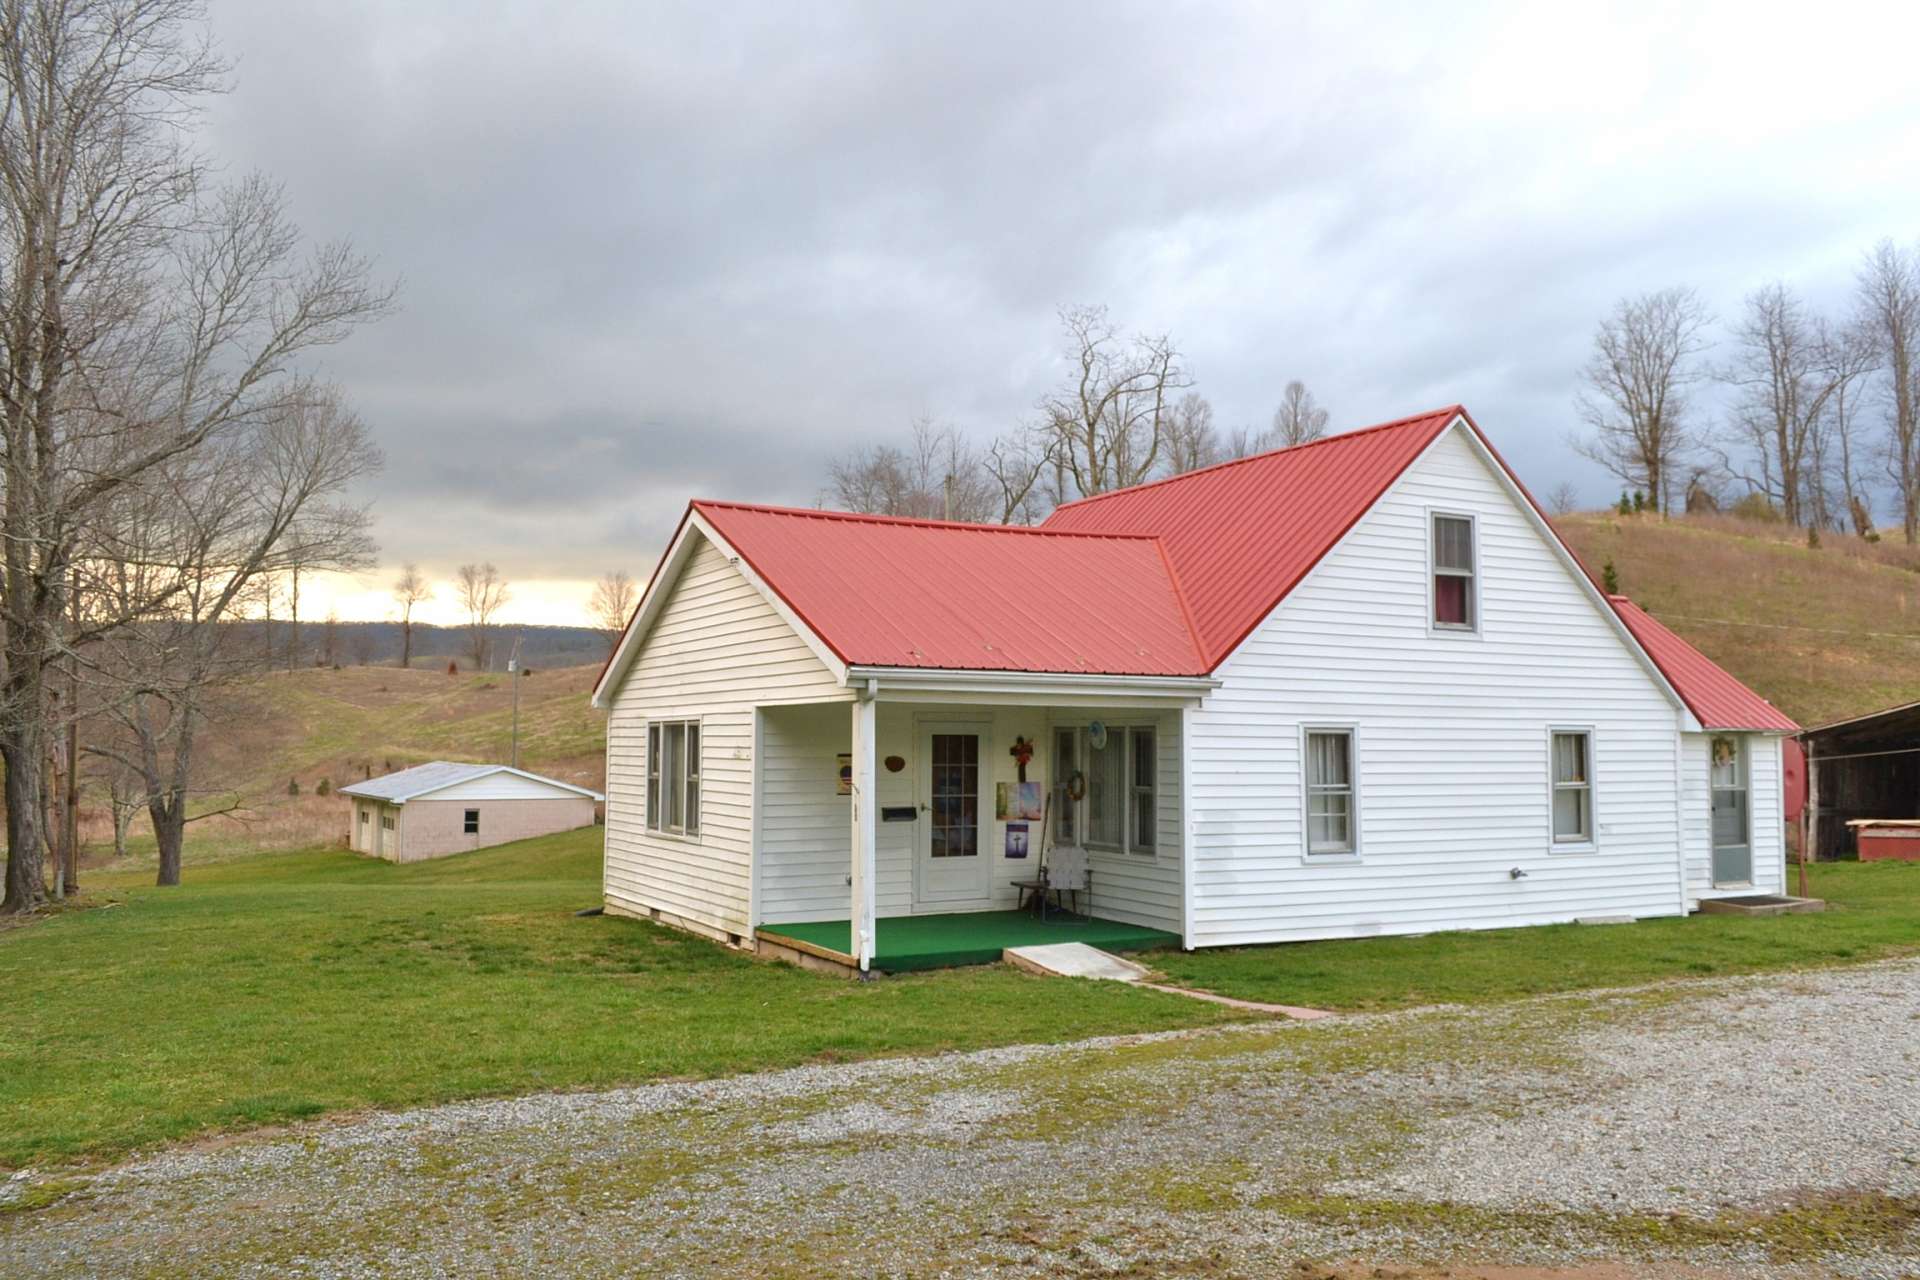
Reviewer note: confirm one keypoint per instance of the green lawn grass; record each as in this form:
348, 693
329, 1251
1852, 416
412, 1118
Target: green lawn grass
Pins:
286, 986
1873, 911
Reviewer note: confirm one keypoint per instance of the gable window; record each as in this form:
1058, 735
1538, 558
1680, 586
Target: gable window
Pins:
673, 776
1332, 814
470, 824
1572, 786
1454, 603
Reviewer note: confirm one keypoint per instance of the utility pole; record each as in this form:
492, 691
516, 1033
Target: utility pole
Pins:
513, 674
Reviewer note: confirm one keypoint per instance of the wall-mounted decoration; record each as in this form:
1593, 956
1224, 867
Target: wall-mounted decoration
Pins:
1097, 735
1000, 801
1016, 839
1021, 751
845, 772
1026, 801
895, 763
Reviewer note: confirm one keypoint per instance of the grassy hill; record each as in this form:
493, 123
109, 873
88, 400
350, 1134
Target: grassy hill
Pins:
1824, 632
311, 724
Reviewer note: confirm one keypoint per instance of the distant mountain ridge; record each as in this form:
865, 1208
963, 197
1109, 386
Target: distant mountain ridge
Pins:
343, 643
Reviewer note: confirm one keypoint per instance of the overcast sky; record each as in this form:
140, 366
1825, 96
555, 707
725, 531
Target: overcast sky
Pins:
652, 252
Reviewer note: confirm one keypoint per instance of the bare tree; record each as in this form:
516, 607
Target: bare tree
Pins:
1299, 419
1846, 357
1889, 301
614, 597
1192, 442
409, 589
203, 532
330, 640
1646, 354
1782, 385
1109, 422
939, 475
1564, 500
482, 592
143, 316
1016, 464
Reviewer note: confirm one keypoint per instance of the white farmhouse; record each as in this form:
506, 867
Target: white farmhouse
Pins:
1354, 687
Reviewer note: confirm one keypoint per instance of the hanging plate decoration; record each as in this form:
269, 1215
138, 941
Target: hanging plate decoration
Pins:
1097, 735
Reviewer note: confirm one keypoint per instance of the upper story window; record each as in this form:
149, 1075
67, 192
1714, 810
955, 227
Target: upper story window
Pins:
673, 776
1455, 589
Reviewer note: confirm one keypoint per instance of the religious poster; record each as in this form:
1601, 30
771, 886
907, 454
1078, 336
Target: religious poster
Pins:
1016, 839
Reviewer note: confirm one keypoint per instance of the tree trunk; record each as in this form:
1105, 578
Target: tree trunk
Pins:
170, 833
26, 881
406, 643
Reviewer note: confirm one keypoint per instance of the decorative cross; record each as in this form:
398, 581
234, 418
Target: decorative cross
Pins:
1021, 751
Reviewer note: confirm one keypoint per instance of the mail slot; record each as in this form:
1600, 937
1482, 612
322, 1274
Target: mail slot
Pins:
897, 813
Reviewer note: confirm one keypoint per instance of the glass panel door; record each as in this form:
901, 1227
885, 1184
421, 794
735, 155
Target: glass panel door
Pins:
950, 873
1732, 815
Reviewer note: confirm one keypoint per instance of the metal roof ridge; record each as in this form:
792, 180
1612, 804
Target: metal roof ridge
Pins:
866, 517
1448, 412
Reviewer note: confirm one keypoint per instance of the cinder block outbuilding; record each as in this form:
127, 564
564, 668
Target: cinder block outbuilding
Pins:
444, 807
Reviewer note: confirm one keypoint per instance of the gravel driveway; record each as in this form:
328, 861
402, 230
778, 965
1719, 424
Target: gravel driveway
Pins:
1754, 1127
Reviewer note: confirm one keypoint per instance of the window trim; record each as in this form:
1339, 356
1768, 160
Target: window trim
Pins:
1151, 790
1082, 808
691, 777
1475, 596
1592, 842
1330, 857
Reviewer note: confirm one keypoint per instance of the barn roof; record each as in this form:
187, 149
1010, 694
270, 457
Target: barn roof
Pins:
1716, 699
423, 779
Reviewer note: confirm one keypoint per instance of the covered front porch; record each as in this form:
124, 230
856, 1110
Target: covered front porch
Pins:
907, 943
896, 832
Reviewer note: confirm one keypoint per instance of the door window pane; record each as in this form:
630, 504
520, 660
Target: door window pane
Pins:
955, 830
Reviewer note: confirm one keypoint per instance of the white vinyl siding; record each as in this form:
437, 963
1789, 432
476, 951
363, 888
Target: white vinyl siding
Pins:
715, 651
1452, 736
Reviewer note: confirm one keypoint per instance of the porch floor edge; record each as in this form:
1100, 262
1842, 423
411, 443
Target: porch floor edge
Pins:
909, 943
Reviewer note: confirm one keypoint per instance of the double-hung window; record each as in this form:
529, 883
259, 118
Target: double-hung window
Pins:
470, 822
673, 776
1572, 787
1455, 603
1119, 811
1333, 812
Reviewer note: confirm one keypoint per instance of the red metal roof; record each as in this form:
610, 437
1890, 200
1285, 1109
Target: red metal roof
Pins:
882, 591
1243, 534
1717, 700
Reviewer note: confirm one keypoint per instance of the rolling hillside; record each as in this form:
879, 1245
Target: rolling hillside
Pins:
1824, 632
298, 727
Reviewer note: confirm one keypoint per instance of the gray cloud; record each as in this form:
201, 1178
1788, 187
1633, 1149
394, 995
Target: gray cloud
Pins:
660, 251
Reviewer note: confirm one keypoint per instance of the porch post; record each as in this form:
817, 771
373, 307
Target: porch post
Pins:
864, 867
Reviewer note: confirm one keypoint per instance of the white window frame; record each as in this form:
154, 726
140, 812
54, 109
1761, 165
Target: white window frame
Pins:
1592, 842
1330, 857
690, 779
1082, 808
1476, 598
469, 826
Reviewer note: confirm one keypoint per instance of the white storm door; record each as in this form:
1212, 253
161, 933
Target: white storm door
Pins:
952, 864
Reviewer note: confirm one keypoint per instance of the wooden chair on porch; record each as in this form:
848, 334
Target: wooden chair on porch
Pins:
1064, 873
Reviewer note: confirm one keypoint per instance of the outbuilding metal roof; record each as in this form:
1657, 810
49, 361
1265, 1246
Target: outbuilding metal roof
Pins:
1716, 699
888, 592
408, 784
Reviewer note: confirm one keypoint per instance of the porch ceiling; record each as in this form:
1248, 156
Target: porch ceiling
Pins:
970, 937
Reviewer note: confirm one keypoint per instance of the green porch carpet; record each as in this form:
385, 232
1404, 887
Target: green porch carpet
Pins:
971, 937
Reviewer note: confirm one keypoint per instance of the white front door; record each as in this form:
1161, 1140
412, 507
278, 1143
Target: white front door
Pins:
953, 864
